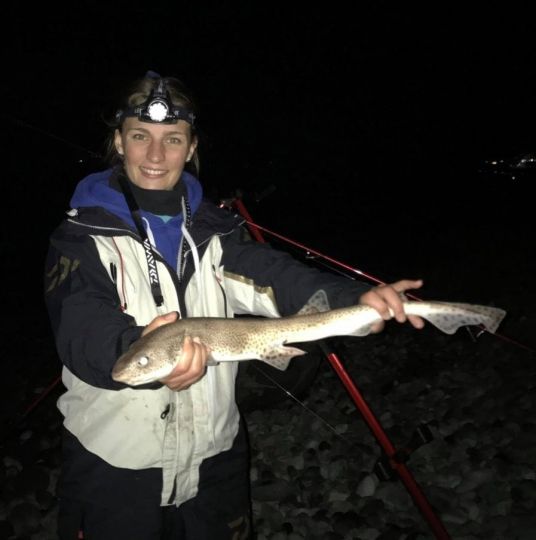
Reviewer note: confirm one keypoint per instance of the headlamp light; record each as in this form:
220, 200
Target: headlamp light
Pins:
157, 108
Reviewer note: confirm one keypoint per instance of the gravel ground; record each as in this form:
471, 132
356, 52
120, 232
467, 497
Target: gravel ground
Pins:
478, 472
312, 464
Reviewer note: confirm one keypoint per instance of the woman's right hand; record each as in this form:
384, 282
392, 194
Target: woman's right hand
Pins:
193, 362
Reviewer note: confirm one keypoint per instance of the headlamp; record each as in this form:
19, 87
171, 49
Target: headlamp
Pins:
157, 108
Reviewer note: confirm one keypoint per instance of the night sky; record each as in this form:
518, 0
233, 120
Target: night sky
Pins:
371, 123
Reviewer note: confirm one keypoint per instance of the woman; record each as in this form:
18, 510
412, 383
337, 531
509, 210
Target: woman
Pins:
140, 248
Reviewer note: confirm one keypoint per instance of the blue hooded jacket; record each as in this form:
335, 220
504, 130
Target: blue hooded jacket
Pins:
95, 190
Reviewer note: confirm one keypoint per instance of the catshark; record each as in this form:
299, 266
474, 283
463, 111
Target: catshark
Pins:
155, 355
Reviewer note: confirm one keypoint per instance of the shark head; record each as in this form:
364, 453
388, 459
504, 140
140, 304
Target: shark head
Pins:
147, 360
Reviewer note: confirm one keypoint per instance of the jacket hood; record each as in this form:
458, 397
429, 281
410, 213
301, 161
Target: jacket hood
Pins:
95, 191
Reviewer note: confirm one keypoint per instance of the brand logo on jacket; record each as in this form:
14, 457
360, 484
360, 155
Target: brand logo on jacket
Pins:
153, 274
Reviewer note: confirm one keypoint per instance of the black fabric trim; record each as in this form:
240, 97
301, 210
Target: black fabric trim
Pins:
161, 202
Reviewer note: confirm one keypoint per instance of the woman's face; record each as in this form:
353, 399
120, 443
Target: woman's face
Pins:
154, 154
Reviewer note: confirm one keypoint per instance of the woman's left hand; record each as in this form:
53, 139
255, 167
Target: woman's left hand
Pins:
191, 367
384, 298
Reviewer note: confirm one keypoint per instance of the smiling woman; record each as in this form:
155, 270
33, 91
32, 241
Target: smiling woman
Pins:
140, 248
154, 155
155, 139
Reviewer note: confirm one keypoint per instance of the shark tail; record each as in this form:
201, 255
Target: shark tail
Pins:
448, 317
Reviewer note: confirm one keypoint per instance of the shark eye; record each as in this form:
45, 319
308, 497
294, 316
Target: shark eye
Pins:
143, 361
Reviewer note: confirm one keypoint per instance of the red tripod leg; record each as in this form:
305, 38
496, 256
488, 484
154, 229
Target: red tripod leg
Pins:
403, 472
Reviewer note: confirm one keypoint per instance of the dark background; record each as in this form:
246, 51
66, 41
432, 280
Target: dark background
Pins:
372, 122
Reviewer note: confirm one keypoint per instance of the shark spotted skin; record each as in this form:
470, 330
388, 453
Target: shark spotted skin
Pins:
155, 355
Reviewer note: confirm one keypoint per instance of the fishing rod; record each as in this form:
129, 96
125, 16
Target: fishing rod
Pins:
257, 230
393, 461
18, 121
395, 458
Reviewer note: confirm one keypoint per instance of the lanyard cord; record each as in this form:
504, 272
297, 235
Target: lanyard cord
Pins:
154, 280
186, 225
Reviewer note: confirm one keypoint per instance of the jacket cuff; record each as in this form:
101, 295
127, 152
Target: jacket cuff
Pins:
127, 338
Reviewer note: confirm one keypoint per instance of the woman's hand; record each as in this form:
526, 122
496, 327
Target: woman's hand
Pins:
170, 317
385, 297
193, 362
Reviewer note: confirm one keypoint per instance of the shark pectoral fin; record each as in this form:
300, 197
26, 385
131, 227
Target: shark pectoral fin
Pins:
363, 330
316, 304
279, 356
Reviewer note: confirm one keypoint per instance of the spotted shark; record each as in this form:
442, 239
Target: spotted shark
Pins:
155, 355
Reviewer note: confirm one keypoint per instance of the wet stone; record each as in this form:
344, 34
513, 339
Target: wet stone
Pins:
368, 533
272, 491
524, 494
474, 479
44, 499
455, 516
367, 486
6, 529
484, 444
25, 519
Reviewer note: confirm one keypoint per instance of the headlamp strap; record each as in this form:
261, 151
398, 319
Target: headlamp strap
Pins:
158, 108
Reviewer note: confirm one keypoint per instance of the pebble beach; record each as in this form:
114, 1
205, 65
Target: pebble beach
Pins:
313, 456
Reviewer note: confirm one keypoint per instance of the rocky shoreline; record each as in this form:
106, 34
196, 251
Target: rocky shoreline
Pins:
478, 472
312, 463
